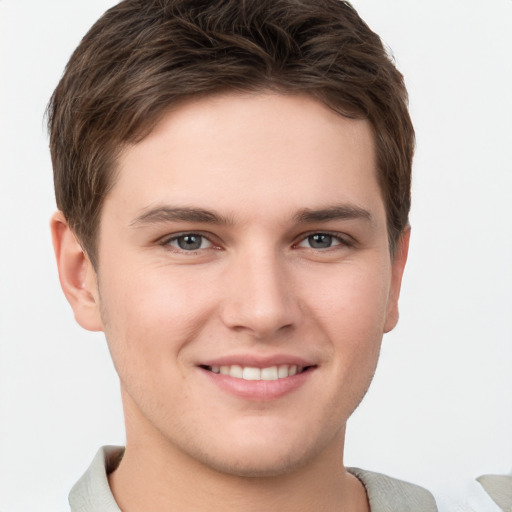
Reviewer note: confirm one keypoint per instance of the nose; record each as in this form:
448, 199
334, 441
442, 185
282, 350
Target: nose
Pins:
260, 296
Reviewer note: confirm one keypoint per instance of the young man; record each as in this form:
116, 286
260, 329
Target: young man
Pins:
233, 185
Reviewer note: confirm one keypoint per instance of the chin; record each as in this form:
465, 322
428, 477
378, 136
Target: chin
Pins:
258, 458
254, 466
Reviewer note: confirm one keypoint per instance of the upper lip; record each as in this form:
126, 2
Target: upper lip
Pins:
257, 361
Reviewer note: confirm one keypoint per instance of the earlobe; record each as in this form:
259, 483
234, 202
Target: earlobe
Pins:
397, 271
76, 273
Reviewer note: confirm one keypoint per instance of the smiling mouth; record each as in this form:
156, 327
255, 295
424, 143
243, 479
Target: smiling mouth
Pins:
282, 371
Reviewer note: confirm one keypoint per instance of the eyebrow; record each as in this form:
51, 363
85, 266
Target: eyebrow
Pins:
200, 215
182, 214
337, 212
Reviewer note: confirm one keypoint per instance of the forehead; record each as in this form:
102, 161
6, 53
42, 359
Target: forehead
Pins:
242, 153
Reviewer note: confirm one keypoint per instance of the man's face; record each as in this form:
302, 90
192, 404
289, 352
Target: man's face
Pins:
245, 238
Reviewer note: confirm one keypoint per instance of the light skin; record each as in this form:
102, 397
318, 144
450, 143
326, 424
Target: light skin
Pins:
248, 231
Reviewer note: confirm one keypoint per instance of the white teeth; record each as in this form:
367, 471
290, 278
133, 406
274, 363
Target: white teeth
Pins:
282, 372
253, 373
236, 371
269, 373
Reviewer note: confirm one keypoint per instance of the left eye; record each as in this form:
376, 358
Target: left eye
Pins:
189, 242
320, 241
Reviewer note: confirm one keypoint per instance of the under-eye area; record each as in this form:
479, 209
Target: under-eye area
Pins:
276, 372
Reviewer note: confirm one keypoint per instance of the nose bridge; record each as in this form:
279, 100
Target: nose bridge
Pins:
260, 295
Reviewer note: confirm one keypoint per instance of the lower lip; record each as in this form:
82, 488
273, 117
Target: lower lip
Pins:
259, 390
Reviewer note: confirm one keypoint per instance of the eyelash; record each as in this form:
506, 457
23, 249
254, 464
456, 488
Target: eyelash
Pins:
166, 242
341, 241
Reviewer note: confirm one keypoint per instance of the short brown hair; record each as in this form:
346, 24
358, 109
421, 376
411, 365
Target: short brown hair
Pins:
142, 56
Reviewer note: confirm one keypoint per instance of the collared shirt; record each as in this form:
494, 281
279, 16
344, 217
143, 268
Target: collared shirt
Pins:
499, 488
92, 492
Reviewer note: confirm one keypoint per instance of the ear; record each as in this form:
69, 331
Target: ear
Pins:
397, 271
76, 273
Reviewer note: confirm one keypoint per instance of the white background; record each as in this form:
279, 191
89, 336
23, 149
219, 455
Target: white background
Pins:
440, 409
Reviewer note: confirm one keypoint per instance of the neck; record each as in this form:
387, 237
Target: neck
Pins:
156, 475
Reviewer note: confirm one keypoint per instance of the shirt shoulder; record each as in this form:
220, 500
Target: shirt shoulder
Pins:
387, 494
499, 488
92, 492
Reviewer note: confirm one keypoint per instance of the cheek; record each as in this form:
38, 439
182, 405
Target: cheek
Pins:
148, 318
352, 311
353, 304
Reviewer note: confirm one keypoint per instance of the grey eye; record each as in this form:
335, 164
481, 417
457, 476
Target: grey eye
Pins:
189, 242
320, 241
